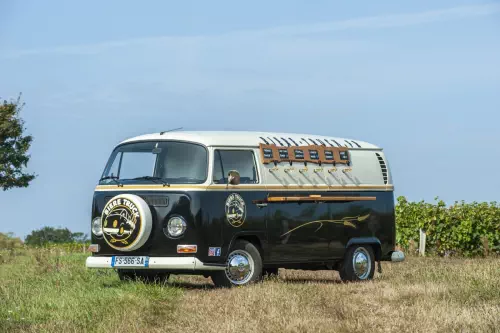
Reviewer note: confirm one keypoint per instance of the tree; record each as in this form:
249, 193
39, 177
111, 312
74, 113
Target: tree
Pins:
48, 235
79, 237
14, 146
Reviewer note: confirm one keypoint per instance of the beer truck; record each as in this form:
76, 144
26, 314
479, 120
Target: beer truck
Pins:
235, 206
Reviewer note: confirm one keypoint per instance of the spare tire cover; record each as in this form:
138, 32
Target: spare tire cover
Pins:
126, 222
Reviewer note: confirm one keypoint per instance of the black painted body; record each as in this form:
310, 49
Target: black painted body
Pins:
311, 245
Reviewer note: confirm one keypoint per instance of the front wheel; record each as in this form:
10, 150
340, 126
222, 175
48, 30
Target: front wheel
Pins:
243, 266
359, 263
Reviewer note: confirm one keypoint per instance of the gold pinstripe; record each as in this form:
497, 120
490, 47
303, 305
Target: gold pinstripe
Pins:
242, 188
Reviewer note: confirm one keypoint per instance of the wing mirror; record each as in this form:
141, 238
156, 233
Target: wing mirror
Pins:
233, 177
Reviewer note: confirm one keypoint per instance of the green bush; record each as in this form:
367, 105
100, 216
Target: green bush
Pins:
9, 242
467, 229
10, 246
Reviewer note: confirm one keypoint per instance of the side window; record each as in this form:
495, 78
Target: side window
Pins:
242, 161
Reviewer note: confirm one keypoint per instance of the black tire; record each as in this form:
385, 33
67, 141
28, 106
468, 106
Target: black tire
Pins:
240, 249
347, 270
143, 275
270, 271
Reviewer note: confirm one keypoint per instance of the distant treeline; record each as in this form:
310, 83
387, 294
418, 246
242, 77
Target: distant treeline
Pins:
43, 237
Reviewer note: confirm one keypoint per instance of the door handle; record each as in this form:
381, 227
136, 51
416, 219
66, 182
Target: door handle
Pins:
261, 205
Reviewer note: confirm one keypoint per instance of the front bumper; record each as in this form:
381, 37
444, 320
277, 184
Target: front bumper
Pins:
167, 263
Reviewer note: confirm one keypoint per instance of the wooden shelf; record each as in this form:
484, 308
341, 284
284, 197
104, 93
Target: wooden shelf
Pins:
313, 198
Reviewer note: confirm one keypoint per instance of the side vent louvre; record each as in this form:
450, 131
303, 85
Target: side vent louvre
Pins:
288, 143
329, 142
275, 138
338, 144
314, 142
383, 166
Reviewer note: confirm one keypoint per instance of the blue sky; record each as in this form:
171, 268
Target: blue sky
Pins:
421, 79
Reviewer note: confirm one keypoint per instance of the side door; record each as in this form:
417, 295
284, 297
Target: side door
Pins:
241, 216
301, 231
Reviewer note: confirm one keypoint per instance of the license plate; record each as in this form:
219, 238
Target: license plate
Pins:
129, 261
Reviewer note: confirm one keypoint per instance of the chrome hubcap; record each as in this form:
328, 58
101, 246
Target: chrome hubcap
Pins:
239, 267
362, 263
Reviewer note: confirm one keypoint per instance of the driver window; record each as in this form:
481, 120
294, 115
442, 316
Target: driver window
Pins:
242, 161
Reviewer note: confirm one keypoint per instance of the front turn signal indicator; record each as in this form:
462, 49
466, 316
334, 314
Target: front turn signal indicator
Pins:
94, 248
187, 248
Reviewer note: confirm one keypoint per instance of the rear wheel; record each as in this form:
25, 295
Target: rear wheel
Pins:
143, 275
359, 263
243, 266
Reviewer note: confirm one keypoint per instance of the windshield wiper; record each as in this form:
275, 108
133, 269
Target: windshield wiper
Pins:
157, 180
113, 178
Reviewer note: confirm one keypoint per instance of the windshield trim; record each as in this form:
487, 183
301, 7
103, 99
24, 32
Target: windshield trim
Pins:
130, 181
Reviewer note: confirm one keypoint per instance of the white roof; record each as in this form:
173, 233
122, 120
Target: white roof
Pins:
252, 139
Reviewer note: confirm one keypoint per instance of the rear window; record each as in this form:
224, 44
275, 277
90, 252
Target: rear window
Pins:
242, 161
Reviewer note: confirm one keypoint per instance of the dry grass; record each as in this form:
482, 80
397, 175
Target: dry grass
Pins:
47, 293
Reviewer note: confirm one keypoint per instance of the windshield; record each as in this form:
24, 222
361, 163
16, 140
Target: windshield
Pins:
172, 162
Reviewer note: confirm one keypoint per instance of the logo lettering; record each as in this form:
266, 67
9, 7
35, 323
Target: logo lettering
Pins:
235, 210
121, 222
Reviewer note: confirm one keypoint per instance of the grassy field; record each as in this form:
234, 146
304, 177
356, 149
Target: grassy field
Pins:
41, 291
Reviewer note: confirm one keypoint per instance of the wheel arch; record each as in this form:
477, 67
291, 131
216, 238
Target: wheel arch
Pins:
374, 242
256, 238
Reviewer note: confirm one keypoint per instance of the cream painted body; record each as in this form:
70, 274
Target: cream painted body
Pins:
364, 173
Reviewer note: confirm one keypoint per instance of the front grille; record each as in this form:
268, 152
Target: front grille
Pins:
156, 200
151, 200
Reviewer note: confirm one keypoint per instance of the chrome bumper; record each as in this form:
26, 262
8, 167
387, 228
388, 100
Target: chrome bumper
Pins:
169, 263
397, 256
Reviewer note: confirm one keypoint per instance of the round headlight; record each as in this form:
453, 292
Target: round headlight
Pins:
176, 226
97, 227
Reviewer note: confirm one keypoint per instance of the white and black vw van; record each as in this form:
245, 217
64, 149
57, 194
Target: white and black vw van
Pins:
237, 205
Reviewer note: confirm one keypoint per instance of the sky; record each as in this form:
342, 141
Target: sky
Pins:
419, 78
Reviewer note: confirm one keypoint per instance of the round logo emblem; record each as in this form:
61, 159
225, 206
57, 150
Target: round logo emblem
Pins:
235, 210
121, 223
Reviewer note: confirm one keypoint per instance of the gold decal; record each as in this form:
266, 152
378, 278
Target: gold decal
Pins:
346, 221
